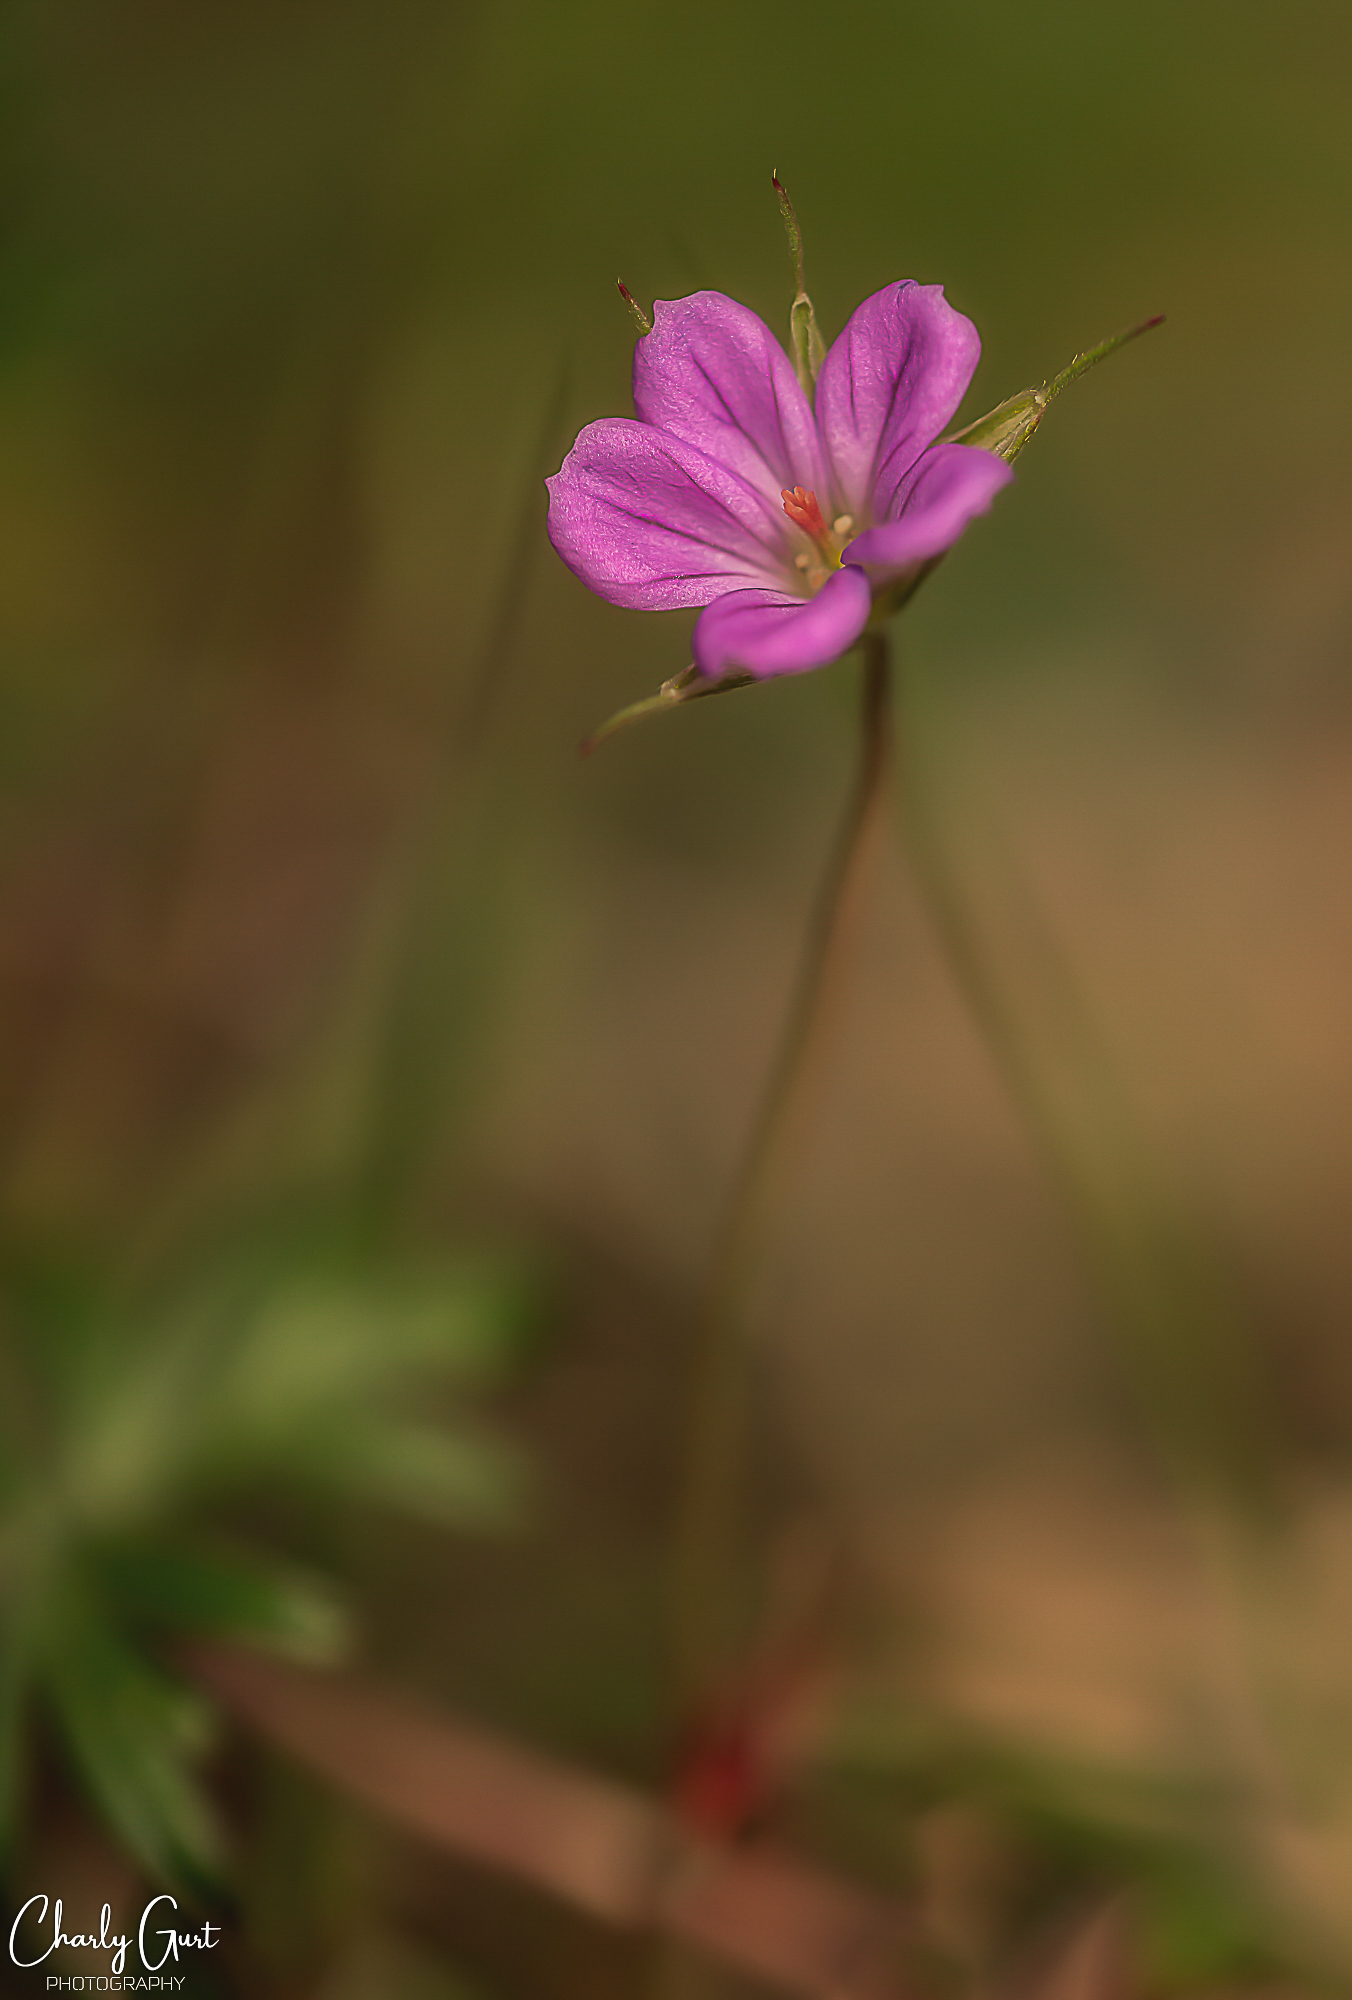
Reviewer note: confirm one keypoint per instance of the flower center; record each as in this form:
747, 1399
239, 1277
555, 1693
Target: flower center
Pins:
803, 509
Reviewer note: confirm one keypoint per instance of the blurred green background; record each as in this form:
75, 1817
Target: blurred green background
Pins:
328, 972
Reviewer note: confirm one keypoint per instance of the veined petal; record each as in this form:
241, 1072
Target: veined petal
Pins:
888, 386
712, 373
948, 488
768, 632
649, 522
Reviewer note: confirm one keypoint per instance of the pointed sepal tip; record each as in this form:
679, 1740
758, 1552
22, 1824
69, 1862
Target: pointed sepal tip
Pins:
688, 685
805, 342
641, 319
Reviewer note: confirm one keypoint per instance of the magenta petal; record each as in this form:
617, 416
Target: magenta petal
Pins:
768, 632
951, 485
650, 522
888, 387
712, 373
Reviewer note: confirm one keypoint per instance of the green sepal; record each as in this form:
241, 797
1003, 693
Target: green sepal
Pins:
688, 685
1006, 429
805, 342
639, 317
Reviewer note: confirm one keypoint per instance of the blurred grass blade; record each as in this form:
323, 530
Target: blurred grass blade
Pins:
132, 1735
13, 1687
510, 602
328, 1349
227, 1594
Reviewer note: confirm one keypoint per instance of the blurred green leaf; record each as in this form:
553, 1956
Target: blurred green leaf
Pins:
1198, 1924
1081, 1826
314, 1343
290, 1361
134, 1736
450, 1478
180, 1589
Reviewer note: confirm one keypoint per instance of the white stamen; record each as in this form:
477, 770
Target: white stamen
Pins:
843, 524
801, 562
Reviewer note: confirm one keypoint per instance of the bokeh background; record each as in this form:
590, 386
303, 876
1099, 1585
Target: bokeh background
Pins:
338, 996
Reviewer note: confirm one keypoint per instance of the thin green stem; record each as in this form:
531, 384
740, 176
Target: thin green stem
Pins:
708, 1493
1082, 363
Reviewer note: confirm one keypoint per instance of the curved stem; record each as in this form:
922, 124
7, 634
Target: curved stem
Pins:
708, 1491
1175, 1326
1186, 1348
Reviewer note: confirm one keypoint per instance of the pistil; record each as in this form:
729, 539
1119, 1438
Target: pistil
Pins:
804, 510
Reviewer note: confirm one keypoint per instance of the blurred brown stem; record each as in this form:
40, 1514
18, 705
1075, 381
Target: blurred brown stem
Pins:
599, 1848
707, 1493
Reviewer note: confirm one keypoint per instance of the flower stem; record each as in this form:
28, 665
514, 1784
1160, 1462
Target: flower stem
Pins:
708, 1493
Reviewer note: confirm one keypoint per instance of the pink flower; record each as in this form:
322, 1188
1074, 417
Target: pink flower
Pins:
790, 526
